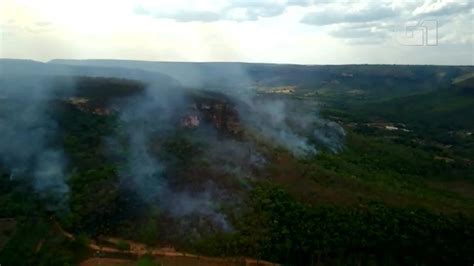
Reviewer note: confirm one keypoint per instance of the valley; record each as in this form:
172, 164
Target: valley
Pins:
162, 163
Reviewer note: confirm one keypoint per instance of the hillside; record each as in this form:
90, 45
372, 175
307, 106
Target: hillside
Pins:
295, 169
383, 79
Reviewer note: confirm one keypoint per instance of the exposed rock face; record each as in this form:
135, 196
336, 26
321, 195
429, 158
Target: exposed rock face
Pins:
190, 121
204, 107
214, 108
84, 105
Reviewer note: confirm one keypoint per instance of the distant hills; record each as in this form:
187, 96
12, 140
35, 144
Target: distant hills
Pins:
16, 67
465, 81
333, 164
372, 81
233, 74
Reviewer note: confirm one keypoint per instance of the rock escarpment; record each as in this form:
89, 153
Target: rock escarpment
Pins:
215, 109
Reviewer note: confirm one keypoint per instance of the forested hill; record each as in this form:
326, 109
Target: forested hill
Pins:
293, 164
371, 77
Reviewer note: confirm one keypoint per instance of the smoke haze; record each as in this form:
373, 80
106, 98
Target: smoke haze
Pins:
148, 121
27, 145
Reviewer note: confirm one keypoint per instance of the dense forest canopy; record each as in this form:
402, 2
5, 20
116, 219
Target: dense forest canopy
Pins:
292, 164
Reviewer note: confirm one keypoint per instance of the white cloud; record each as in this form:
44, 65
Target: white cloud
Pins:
336, 15
293, 31
233, 10
443, 8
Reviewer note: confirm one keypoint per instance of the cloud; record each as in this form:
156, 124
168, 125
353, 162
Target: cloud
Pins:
204, 16
273, 30
356, 23
377, 22
335, 16
442, 8
43, 24
237, 10
372, 34
179, 15
365, 33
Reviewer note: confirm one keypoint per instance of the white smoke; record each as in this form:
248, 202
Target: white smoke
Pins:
27, 145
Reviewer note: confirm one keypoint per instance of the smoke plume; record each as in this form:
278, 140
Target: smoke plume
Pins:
28, 146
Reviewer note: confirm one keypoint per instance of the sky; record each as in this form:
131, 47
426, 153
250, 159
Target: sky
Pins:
273, 31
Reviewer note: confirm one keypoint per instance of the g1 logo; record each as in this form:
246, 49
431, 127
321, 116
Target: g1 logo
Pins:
421, 33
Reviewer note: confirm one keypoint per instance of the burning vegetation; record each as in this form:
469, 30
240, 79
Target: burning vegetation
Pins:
131, 167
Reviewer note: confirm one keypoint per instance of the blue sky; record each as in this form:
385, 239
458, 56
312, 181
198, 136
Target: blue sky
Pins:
285, 31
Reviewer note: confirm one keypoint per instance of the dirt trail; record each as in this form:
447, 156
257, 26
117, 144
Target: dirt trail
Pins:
107, 262
166, 255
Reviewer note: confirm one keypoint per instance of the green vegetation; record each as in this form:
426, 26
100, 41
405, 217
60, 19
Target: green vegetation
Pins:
394, 173
36, 242
147, 261
400, 192
122, 245
276, 227
94, 198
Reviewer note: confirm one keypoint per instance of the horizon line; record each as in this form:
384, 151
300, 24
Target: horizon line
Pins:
227, 62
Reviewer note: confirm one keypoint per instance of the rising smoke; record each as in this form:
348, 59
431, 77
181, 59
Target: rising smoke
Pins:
27, 146
153, 117
293, 125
